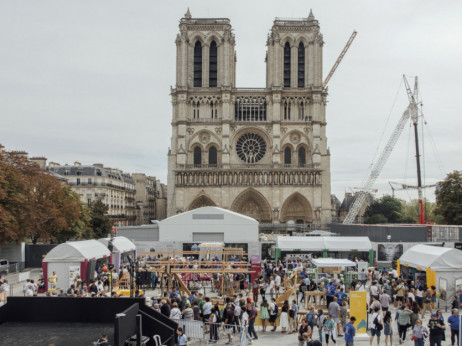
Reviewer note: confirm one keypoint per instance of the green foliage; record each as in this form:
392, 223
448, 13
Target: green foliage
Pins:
100, 222
449, 199
35, 206
384, 210
411, 211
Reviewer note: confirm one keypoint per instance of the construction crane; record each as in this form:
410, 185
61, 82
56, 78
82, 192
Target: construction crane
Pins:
339, 59
410, 112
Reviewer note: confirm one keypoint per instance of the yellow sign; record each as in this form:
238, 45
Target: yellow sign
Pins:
358, 309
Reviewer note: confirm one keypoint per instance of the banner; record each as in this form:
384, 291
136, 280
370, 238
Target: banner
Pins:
73, 272
255, 268
358, 309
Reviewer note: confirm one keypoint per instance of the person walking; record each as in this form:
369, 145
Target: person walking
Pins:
273, 311
427, 302
350, 331
404, 321
437, 328
311, 317
303, 329
284, 321
388, 330
264, 315
320, 323
252, 317
453, 322
334, 311
245, 327
293, 314
418, 333
376, 326
329, 329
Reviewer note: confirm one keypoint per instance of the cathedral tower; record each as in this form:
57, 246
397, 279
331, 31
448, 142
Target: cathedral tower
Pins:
257, 151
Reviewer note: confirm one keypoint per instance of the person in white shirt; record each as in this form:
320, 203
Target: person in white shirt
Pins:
376, 327
245, 327
277, 283
271, 287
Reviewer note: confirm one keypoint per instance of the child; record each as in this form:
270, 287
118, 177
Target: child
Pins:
182, 338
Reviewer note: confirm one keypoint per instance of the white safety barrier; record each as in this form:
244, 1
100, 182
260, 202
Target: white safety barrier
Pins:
192, 328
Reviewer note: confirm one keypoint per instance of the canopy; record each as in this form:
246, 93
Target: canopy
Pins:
324, 243
333, 262
434, 257
121, 244
77, 251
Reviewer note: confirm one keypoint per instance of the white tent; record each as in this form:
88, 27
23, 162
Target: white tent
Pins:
443, 266
121, 244
77, 251
434, 257
71, 259
324, 243
333, 262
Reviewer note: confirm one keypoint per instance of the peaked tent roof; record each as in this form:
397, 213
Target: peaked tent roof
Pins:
77, 251
121, 244
333, 262
433, 257
204, 215
321, 243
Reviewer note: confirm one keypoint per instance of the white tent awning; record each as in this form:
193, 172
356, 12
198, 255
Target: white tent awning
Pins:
77, 251
121, 244
333, 262
433, 257
324, 243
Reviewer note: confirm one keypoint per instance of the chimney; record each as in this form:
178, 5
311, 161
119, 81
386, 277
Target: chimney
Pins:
77, 163
41, 161
100, 165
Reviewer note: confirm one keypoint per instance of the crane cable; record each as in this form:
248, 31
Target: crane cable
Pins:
383, 132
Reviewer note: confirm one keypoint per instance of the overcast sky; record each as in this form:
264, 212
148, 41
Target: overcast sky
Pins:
90, 80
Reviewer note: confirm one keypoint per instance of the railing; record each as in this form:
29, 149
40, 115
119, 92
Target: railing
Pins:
100, 194
204, 120
251, 166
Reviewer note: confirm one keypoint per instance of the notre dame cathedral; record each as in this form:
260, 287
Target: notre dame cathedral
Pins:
261, 152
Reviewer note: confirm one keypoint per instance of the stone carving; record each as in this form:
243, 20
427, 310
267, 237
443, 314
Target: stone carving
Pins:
190, 130
294, 138
218, 130
269, 128
204, 137
233, 128
283, 130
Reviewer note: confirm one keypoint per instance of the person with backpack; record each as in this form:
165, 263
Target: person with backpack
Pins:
350, 331
228, 318
273, 313
376, 326
293, 314
404, 321
329, 329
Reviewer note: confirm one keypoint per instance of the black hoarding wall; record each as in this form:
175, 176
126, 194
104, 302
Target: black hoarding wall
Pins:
164, 327
35, 253
67, 309
380, 233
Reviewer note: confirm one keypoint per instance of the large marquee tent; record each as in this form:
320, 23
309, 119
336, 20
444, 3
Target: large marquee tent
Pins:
442, 266
122, 247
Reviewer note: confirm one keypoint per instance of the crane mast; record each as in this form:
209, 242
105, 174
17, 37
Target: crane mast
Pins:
410, 112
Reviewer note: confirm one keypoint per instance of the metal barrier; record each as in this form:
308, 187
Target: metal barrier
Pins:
192, 328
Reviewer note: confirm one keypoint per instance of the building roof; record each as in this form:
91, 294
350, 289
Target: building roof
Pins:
77, 251
324, 243
209, 215
433, 257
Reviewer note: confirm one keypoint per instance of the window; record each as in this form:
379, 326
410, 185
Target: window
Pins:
198, 64
301, 156
197, 156
301, 65
213, 110
213, 65
287, 156
286, 110
89, 202
89, 180
287, 65
212, 156
196, 108
78, 181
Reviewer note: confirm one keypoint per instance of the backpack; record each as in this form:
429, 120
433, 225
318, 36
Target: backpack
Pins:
275, 311
291, 313
377, 324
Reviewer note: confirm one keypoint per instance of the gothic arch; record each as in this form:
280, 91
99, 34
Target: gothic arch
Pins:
252, 203
201, 201
297, 208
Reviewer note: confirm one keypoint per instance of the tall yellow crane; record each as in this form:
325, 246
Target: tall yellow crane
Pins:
339, 59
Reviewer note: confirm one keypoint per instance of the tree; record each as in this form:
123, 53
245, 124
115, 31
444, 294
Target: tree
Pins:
449, 198
384, 210
101, 224
411, 211
35, 206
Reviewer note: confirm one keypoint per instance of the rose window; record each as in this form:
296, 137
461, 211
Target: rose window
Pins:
251, 148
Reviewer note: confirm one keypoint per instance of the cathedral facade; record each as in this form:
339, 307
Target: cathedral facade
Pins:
261, 152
